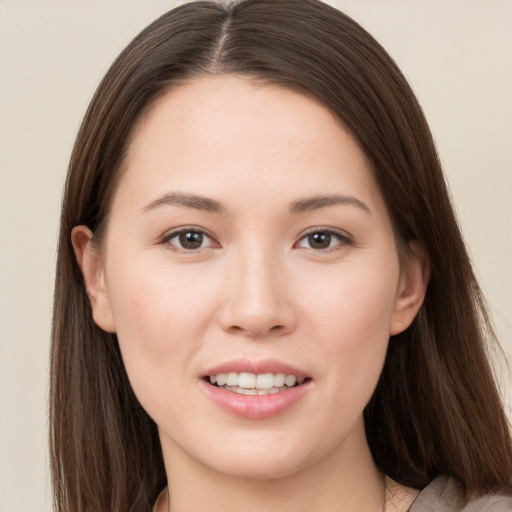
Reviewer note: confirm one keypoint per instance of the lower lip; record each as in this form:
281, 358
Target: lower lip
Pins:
256, 407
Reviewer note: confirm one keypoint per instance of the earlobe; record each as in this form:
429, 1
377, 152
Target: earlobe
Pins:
414, 279
91, 266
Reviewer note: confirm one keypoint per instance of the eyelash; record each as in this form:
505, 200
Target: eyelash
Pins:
342, 237
186, 231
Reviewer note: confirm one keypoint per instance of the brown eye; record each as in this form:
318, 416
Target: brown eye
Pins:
324, 239
189, 240
319, 240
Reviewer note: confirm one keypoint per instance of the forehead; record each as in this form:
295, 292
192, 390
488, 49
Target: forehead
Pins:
226, 130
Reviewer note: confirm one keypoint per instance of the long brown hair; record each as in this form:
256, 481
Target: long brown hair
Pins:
436, 409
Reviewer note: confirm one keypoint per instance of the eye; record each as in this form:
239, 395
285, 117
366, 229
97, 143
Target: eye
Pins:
189, 240
323, 239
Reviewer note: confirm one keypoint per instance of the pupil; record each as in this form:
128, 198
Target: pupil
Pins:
319, 240
191, 240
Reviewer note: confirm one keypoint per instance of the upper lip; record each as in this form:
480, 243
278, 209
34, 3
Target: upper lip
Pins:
256, 367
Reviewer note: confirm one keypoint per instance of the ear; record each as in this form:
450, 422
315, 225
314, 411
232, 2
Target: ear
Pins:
414, 279
91, 266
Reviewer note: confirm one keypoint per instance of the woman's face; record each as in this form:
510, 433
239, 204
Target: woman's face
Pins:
248, 241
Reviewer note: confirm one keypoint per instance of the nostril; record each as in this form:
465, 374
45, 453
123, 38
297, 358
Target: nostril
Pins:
256, 332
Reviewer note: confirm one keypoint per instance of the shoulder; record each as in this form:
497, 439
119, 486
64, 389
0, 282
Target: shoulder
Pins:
444, 494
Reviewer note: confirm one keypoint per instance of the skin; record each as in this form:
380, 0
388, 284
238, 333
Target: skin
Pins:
256, 288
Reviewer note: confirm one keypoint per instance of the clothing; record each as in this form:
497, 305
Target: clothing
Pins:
443, 494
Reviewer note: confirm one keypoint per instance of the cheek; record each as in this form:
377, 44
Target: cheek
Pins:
161, 317
354, 299
154, 303
352, 318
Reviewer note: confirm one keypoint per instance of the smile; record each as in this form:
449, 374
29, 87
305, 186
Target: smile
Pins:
256, 390
246, 383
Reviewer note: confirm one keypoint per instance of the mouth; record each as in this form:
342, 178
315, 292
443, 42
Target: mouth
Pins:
253, 384
256, 389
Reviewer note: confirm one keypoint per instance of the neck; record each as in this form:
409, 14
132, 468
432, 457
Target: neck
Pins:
345, 479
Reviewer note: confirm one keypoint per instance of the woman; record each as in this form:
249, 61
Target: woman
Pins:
263, 298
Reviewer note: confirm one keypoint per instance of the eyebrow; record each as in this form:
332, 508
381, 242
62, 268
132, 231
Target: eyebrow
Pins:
187, 200
213, 206
317, 202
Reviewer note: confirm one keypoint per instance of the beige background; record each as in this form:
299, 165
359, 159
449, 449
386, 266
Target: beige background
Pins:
457, 55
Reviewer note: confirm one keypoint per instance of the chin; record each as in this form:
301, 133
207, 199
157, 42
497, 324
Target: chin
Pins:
260, 467
264, 456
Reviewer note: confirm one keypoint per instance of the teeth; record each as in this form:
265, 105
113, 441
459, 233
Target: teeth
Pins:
232, 379
279, 379
290, 380
265, 381
252, 382
245, 380
254, 392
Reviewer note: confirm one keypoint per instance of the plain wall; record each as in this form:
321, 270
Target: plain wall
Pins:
456, 54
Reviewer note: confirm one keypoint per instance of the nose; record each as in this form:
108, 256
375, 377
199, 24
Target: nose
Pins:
257, 299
